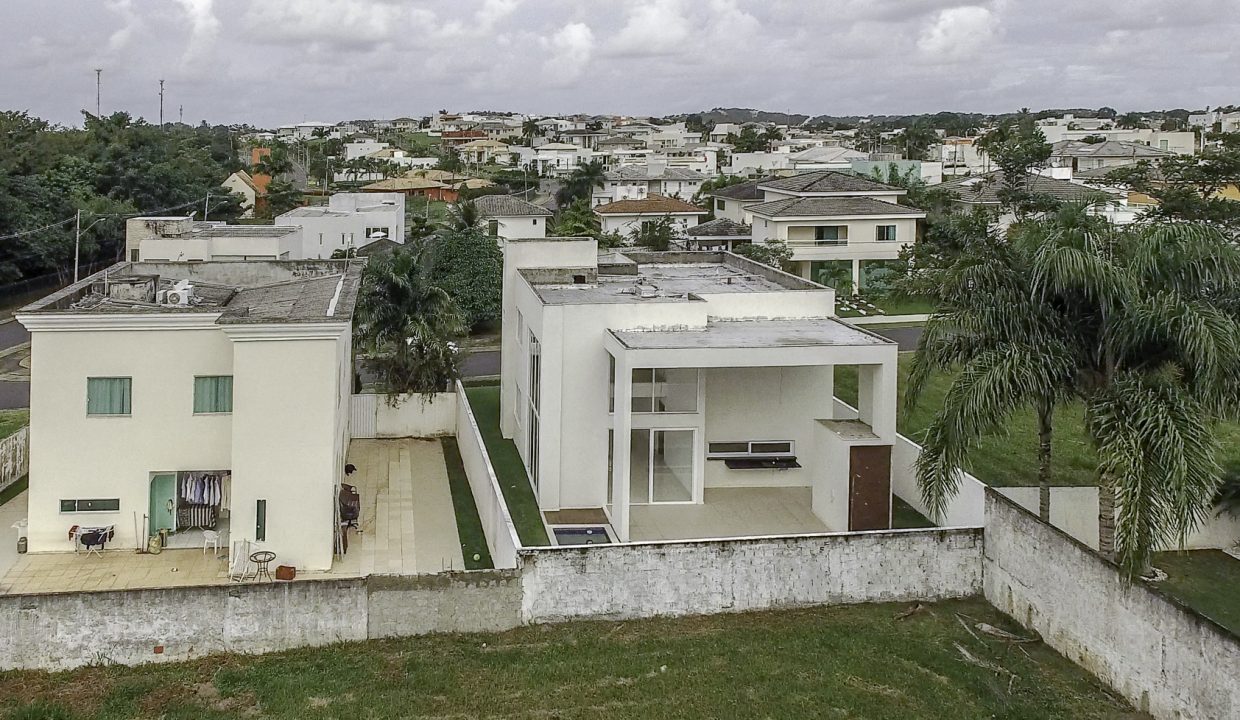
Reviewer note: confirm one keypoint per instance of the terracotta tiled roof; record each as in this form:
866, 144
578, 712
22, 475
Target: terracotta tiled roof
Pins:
654, 204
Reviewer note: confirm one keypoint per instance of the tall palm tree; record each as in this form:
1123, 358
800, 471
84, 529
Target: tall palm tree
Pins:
1135, 323
464, 215
407, 322
581, 183
275, 163
530, 130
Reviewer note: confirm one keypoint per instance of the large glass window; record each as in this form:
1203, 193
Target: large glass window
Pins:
831, 234
535, 381
109, 395
665, 390
661, 466
885, 233
213, 394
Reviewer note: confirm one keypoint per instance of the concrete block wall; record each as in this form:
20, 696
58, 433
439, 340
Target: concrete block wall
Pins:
1163, 657
14, 457
59, 631
691, 578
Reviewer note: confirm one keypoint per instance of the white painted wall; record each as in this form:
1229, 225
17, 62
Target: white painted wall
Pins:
624, 224
522, 227
73, 456
411, 416
501, 533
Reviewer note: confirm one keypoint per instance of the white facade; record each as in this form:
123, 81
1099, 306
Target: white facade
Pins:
637, 182
281, 443
711, 335
350, 220
625, 223
361, 147
183, 239
552, 158
241, 184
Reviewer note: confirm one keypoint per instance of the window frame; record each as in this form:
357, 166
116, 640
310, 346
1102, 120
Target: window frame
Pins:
77, 508
128, 412
878, 233
749, 453
229, 411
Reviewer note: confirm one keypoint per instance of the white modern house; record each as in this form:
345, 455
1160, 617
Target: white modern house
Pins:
163, 396
689, 395
635, 182
184, 239
348, 221
625, 216
833, 217
731, 202
511, 217
1081, 156
552, 158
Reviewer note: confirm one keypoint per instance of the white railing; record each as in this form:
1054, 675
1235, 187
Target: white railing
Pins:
501, 533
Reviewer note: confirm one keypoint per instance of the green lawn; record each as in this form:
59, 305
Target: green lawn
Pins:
890, 306
14, 490
12, 420
1009, 459
1206, 580
416, 207
906, 517
856, 661
468, 524
515, 484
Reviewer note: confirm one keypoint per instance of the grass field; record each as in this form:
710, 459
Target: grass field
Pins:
836, 662
515, 484
1206, 580
468, 524
1010, 458
12, 420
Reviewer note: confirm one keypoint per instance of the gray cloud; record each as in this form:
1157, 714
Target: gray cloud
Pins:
275, 61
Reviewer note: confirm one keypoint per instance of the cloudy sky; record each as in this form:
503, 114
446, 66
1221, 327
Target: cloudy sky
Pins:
279, 61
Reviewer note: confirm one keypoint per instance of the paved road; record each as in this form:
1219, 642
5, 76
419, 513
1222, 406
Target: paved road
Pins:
13, 394
907, 337
12, 333
480, 364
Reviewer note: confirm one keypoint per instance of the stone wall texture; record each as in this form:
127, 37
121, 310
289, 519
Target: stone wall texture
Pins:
689, 578
14, 457
1163, 657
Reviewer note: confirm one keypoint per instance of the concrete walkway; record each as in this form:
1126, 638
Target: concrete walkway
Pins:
408, 522
10, 512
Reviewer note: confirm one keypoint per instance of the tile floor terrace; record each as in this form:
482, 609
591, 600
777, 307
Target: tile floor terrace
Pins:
729, 512
408, 527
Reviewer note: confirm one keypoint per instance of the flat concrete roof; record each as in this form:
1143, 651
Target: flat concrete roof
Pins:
800, 332
668, 277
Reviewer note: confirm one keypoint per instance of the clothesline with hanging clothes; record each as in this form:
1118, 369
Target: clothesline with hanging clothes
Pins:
202, 489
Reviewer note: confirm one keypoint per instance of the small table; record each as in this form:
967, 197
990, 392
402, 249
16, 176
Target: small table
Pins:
262, 559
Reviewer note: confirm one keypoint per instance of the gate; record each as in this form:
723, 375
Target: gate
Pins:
363, 411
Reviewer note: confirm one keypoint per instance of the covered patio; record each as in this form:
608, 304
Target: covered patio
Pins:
701, 446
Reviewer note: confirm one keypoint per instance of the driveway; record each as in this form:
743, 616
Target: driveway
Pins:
907, 337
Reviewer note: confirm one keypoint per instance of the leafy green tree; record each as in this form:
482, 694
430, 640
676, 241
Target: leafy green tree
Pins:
275, 164
450, 160
407, 323
1187, 187
1137, 323
468, 265
657, 234
282, 196
917, 139
1019, 148
775, 254
746, 141
576, 220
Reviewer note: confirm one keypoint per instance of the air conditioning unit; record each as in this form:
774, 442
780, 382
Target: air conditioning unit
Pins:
181, 295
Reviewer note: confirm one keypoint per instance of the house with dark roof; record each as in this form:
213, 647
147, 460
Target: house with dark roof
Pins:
717, 234
831, 219
1080, 155
200, 398
624, 216
731, 202
511, 217
983, 191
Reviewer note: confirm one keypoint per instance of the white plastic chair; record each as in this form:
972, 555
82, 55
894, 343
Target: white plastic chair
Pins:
210, 538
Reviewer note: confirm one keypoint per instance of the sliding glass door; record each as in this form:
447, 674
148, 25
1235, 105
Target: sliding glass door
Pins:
661, 468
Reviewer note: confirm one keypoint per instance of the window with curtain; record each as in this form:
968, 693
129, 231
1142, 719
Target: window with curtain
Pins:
108, 395
213, 394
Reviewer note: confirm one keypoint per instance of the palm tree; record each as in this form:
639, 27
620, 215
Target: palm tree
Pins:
464, 216
581, 183
275, 163
771, 136
408, 323
530, 130
1134, 324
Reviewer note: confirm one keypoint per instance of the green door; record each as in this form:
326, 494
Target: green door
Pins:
163, 502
